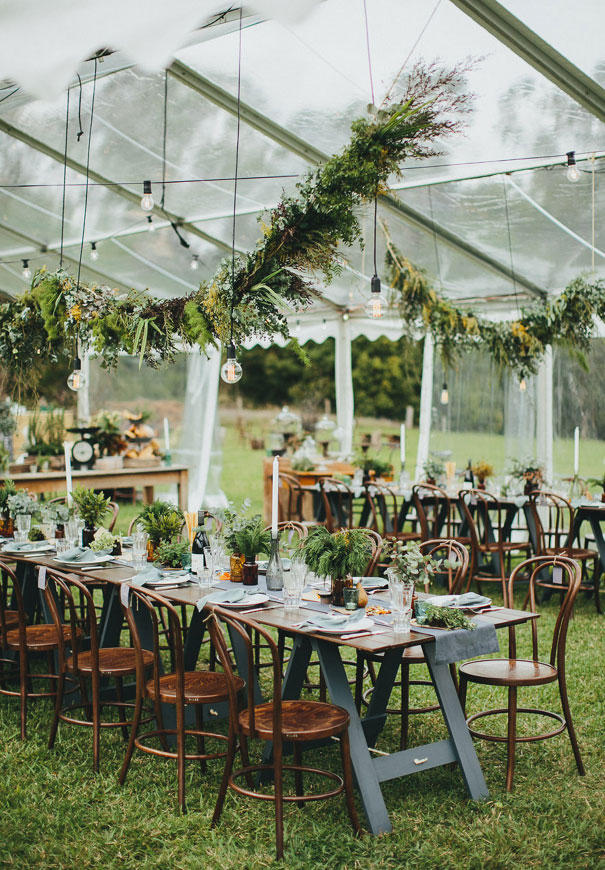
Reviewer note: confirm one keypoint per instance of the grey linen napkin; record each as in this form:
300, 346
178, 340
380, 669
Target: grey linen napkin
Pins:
332, 620
224, 596
142, 577
80, 555
454, 646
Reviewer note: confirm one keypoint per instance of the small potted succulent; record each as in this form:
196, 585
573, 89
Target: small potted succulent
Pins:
105, 542
233, 521
598, 481
250, 540
434, 469
92, 507
340, 556
172, 554
163, 523
7, 489
482, 471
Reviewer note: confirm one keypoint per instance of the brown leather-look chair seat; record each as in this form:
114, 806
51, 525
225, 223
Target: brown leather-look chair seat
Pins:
500, 672
301, 720
113, 661
38, 638
200, 687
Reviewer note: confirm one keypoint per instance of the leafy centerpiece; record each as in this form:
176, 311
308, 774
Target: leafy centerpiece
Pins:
434, 469
482, 471
340, 556
250, 539
530, 472
163, 523
21, 503
373, 467
92, 507
410, 564
445, 617
7, 488
172, 554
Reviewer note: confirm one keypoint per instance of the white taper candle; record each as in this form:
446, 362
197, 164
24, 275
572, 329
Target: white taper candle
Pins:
576, 451
67, 445
166, 435
274, 499
402, 444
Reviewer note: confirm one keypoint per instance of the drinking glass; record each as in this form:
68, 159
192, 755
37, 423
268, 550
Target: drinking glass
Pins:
210, 563
23, 523
402, 594
71, 531
139, 548
294, 583
217, 552
63, 545
20, 537
204, 578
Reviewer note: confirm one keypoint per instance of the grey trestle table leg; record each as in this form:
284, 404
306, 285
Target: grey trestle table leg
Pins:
369, 771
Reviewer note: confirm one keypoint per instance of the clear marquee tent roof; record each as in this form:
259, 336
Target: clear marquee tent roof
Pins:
303, 82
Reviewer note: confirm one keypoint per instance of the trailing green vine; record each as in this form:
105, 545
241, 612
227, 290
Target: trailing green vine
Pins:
299, 243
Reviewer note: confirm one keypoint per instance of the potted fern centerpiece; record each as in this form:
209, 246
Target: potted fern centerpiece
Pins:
92, 507
163, 523
339, 556
250, 539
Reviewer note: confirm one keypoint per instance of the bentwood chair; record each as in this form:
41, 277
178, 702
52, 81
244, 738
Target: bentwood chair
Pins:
385, 513
24, 641
491, 548
553, 520
280, 721
437, 513
513, 673
456, 553
179, 688
338, 501
87, 662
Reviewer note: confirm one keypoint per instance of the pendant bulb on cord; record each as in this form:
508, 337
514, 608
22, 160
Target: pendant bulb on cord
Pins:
522, 385
231, 371
147, 202
572, 172
76, 379
445, 396
94, 254
150, 224
374, 307
26, 271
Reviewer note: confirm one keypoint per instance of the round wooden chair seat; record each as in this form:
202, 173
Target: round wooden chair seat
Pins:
39, 638
578, 553
506, 546
508, 672
113, 661
413, 655
301, 720
201, 687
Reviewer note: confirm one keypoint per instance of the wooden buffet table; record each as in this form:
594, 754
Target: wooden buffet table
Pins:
120, 478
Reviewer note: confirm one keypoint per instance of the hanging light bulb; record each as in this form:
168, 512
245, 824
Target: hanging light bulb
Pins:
26, 272
345, 316
445, 396
150, 224
147, 198
231, 371
572, 173
374, 307
94, 254
522, 385
76, 379
194, 265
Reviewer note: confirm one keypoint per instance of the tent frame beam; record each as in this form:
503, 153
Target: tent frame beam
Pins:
510, 31
296, 145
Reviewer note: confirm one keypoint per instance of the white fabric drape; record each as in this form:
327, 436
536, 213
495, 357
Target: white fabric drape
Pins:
84, 392
200, 448
343, 377
544, 416
426, 404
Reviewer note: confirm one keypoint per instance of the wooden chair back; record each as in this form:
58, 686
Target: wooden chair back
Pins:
453, 551
555, 529
243, 629
290, 501
377, 544
76, 599
383, 509
338, 504
164, 621
486, 522
571, 576
435, 510
291, 534
5, 604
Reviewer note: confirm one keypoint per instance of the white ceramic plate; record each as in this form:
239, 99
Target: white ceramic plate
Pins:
247, 601
364, 624
93, 563
47, 548
179, 580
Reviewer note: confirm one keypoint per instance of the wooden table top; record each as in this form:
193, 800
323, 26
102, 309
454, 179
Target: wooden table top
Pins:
25, 477
276, 617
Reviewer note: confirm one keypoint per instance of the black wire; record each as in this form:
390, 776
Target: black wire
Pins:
375, 226
92, 111
6, 96
239, 91
80, 131
64, 180
164, 134
365, 14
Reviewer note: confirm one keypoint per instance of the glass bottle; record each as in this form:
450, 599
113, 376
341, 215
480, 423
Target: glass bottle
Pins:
469, 477
200, 542
275, 574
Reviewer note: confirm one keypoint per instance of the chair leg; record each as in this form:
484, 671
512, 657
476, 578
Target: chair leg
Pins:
23, 692
84, 696
596, 579
278, 773
121, 710
462, 692
570, 729
201, 743
511, 736
96, 721
347, 775
359, 679
298, 777
405, 704
180, 755
243, 747
133, 733
58, 704
159, 718
220, 799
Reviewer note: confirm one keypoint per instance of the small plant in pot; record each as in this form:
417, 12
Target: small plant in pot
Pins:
59, 514
163, 523
598, 481
250, 540
434, 469
92, 507
234, 521
171, 554
410, 564
7, 489
373, 467
105, 542
482, 471
339, 556
530, 472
